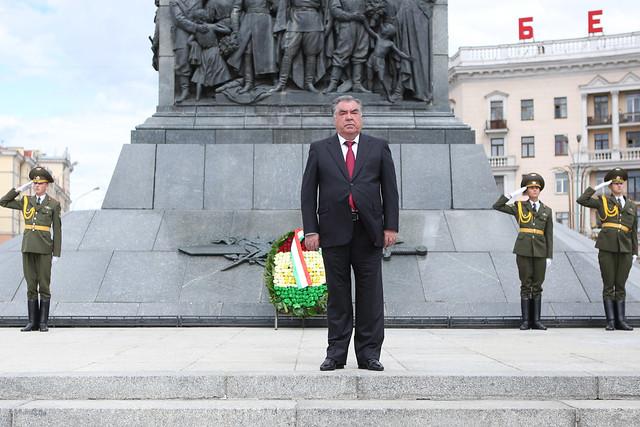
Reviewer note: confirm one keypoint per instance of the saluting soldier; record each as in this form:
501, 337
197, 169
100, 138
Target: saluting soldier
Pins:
617, 243
41, 213
534, 245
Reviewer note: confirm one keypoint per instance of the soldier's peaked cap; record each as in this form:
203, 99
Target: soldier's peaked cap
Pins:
617, 175
532, 180
40, 174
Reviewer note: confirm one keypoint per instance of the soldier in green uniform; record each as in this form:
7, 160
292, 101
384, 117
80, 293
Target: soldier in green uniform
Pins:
534, 245
41, 213
617, 243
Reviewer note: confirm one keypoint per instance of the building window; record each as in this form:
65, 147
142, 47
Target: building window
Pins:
497, 110
562, 183
497, 147
601, 108
633, 185
562, 218
526, 109
633, 139
499, 183
562, 145
633, 108
560, 107
601, 141
528, 146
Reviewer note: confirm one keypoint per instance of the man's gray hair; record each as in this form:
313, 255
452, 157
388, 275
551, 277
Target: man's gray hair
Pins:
345, 98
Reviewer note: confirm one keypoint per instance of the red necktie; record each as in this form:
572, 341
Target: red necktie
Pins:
351, 163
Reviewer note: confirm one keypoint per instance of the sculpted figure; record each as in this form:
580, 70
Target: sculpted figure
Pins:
211, 69
183, 27
303, 22
256, 54
351, 42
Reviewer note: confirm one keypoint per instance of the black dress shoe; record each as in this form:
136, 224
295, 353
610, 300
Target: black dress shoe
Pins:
330, 365
372, 365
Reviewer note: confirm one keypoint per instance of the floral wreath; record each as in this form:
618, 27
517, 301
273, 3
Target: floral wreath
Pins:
295, 277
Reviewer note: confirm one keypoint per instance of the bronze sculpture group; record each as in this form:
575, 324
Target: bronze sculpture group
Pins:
264, 47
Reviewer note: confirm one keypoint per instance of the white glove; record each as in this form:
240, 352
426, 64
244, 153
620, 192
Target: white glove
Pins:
24, 187
604, 184
548, 262
516, 193
635, 257
54, 260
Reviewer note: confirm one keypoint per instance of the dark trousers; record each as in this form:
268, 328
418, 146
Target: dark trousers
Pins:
614, 269
366, 261
37, 274
531, 271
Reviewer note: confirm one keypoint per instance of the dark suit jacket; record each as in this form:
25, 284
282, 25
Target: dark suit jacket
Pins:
611, 239
326, 186
529, 244
47, 215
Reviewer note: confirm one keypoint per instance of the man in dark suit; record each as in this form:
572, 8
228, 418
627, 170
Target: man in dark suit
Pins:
350, 209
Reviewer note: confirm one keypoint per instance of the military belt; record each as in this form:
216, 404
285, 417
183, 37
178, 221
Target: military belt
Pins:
36, 227
614, 225
257, 10
532, 231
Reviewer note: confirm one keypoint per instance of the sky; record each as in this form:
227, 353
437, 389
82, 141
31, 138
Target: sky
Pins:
77, 74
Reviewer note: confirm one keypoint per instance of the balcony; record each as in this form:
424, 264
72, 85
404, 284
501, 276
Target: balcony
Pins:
602, 157
496, 126
502, 162
599, 120
630, 117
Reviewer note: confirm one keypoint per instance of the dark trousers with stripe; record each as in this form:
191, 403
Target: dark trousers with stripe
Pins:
614, 269
531, 271
366, 261
37, 274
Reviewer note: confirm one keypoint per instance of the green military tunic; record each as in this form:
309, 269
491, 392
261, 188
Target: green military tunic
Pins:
534, 243
617, 241
38, 245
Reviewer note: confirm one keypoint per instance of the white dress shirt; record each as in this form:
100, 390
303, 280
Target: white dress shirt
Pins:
621, 201
344, 147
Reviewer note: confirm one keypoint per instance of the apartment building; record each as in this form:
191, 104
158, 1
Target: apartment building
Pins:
567, 109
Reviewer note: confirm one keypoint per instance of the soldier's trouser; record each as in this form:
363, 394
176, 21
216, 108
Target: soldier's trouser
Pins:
352, 44
310, 42
181, 58
37, 273
531, 271
614, 269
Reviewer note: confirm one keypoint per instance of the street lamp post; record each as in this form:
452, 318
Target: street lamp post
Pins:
577, 192
84, 194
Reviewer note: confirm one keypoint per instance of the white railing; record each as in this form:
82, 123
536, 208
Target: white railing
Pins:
551, 49
502, 161
623, 154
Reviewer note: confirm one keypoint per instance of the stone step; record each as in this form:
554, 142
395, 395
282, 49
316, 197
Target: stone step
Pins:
113, 413
340, 385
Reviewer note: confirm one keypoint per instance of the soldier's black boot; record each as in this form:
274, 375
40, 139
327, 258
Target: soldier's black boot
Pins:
621, 321
309, 74
32, 307
524, 307
537, 308
336, 72
609, 315
248, 73
184, 89
357, 79
284, 74
44, 315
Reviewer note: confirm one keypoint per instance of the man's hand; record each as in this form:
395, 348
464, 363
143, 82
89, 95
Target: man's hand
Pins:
24, 187
312, 242
54, 260
604, 184
390, 238
634, 258
516, 193
548, 262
